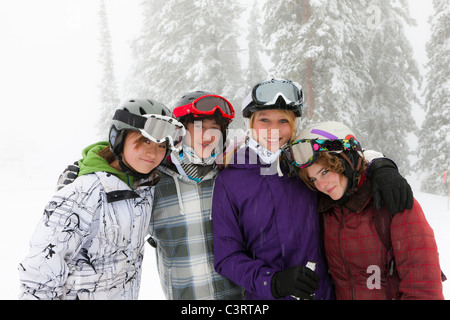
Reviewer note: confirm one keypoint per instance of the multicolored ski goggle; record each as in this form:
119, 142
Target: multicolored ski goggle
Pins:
205, 106
161, 129
303, 153
267, 93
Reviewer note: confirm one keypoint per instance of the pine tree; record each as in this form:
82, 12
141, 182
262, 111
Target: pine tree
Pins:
386, 116
255, 70
321, 45
434, 138
146, 65
108, 87
188, 45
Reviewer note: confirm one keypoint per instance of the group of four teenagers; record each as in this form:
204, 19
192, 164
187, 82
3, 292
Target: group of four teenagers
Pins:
232, 231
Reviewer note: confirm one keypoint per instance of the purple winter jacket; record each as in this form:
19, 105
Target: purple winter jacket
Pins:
262, 224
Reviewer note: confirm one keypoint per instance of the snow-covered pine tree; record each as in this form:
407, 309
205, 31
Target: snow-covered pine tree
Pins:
284, 38
386, 116
189, 45
434, 137
146, 64
108, 86
321, 44
254, 69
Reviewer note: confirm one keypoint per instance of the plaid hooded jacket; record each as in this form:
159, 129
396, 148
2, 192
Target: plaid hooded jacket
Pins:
181, 227
356, 254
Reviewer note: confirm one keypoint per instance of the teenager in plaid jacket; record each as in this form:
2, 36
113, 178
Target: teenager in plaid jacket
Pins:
181, 226
331, 162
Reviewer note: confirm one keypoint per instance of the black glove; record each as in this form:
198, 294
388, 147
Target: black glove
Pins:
389, 186
298, 281
68, 176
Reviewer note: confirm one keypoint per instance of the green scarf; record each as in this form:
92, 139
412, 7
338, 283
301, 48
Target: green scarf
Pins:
92, 162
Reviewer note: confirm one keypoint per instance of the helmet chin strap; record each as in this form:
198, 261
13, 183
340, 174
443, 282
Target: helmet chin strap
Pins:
353, 175
130, 171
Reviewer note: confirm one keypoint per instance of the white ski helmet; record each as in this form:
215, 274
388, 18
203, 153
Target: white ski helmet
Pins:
333, 137
328, 136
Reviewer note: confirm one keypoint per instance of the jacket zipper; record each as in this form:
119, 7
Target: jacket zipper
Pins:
347, 269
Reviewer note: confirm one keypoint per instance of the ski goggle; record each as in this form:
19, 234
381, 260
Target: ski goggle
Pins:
161, 129
303, 153
267, 93
205, 106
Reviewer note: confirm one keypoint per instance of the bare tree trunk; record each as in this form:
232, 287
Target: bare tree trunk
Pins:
309, 85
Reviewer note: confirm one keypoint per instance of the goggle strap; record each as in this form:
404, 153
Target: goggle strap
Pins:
129, 118
248, 100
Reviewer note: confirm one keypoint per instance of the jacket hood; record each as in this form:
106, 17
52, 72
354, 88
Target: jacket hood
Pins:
167, 167
92, 162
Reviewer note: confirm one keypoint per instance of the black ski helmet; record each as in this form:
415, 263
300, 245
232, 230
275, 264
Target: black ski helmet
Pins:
190, 97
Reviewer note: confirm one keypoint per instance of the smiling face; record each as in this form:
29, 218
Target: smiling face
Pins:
203, 136
272, 128
141, 154
329, 182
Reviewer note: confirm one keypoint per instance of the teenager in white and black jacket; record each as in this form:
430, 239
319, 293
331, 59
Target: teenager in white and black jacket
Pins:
90, 241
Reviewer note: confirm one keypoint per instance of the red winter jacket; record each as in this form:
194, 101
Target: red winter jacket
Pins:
356, 253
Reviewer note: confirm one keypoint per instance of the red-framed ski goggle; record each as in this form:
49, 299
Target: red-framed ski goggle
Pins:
205, 106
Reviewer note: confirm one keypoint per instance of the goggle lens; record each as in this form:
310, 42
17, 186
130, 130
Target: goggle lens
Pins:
209, 103
268, 91
161, 128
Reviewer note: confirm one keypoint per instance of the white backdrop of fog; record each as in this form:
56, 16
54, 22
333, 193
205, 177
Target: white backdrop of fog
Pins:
49, 76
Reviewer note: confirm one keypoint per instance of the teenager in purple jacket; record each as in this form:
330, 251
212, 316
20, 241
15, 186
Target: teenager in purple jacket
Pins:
266, 225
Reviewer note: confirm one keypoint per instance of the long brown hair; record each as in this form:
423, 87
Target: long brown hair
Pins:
331, 162
107, 154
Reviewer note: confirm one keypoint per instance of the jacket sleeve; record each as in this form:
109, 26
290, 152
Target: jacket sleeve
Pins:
58, 236
230, 256
416, 256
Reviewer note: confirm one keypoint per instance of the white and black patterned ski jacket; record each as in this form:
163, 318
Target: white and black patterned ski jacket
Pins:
89, 243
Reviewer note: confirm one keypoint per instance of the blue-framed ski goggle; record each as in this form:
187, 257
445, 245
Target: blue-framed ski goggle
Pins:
303, 153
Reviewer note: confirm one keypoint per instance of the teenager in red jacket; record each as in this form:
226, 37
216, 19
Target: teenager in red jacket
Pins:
331, 161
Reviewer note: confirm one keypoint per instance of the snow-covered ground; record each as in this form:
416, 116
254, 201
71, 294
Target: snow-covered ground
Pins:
24, 193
